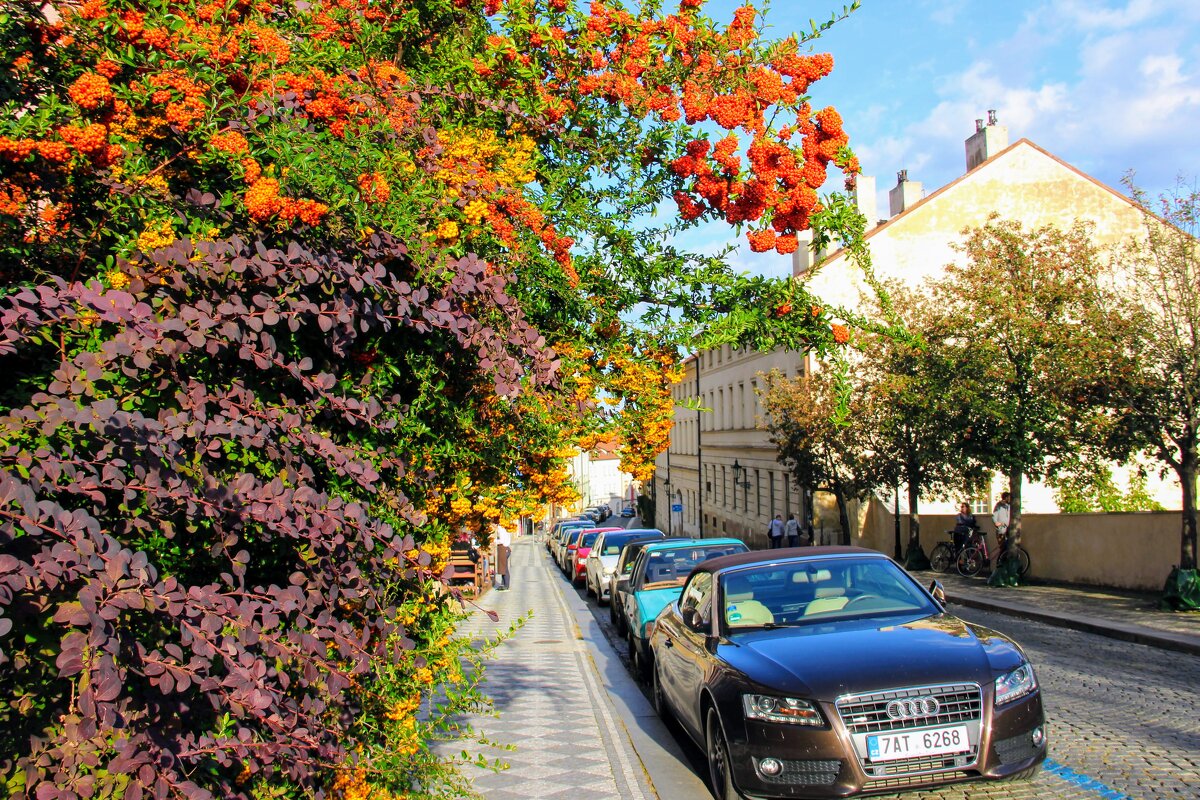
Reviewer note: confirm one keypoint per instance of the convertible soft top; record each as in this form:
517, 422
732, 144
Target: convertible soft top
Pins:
780, 554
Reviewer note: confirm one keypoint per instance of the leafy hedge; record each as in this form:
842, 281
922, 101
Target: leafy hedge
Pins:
293, 292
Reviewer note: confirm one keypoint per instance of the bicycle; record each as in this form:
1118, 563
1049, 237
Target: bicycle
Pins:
946, 553
975, 556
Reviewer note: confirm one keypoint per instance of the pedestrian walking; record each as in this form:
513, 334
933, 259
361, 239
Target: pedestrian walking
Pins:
775, 531
503, 541
792, 528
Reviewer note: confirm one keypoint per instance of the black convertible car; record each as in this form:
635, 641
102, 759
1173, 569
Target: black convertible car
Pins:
828, 672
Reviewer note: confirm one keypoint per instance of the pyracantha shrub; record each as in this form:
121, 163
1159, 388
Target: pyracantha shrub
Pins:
290, 293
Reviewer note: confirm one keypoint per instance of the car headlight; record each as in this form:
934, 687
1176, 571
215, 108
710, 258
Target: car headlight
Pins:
1016, 684
781, 709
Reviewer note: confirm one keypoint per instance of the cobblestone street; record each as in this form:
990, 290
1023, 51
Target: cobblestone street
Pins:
1124, 718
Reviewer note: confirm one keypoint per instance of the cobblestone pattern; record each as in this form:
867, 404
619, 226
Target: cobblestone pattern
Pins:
1123, 714
567, 740
1114, 605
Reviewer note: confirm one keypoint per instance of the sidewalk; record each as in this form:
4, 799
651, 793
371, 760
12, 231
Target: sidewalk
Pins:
1118, 614
562, 704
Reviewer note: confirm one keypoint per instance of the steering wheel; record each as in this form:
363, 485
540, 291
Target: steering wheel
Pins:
856, 600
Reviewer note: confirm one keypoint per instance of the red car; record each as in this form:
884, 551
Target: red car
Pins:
578, 557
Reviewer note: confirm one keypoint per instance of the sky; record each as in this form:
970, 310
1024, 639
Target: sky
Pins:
1108, 86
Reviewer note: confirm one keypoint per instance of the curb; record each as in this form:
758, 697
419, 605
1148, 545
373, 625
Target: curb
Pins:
664, 765
1163, 640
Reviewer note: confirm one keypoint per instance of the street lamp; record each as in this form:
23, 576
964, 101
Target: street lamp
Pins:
738, 469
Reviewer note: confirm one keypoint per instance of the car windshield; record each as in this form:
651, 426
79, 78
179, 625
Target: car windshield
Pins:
811, 591
588, 540
614, 542
671, 567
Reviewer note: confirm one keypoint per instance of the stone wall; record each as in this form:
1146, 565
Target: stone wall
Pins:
1127, 551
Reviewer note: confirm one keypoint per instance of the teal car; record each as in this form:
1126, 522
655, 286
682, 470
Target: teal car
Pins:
655, 582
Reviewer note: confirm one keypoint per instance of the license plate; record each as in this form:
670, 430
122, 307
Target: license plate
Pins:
918, 743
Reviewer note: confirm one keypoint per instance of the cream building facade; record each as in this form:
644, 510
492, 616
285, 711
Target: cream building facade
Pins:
1018, 181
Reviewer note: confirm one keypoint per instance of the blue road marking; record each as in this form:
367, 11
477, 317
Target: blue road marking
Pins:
1083, 781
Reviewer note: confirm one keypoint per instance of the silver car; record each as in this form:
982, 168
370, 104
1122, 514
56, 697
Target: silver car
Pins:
601, 562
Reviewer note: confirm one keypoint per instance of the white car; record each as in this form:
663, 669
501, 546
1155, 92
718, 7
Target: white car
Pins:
602, 560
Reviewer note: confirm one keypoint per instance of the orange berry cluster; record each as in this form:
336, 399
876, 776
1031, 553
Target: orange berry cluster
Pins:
374, 187
264, 203
91, 91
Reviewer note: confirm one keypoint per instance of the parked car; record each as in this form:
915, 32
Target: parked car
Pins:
628, 512
556, 537
602, 560
655, 581
571, 543
833, 672
618, 582
583, 549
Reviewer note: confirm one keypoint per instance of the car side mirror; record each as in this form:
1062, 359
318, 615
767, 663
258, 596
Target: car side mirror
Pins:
692, 619
938, 591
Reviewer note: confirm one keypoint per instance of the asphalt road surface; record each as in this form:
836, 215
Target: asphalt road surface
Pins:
1124, 719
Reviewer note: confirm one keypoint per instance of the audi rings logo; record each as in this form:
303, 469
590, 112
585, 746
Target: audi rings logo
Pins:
912, 708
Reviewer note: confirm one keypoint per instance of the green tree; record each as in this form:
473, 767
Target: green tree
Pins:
915, 414
1159, 396
1019, 322
821, 426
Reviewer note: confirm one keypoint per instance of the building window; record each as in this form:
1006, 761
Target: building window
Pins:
981, 503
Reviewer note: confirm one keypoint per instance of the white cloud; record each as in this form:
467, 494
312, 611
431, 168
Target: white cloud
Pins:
1088, 14
1105, 101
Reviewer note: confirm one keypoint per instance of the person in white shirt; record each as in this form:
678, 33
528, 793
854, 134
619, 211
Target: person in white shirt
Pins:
1001, 517
775, 531
792, 528
503, 541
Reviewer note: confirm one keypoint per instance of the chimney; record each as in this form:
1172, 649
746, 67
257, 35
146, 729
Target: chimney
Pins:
905, 194
986, 141
864, 199
803, 259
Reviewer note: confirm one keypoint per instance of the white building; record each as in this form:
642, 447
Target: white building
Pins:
721, 466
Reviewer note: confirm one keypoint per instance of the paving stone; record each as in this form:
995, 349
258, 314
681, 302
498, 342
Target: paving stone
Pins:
548, 707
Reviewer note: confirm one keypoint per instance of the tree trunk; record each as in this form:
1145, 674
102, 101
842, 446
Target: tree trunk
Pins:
1014, 513
1187, 545
843, 515
914, 518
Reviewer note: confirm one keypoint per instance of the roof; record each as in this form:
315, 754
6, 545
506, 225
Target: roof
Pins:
944, 189
782, 554
682, 541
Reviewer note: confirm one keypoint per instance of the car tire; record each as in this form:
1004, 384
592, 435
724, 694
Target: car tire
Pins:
587, 587
659, 699
637, 662
1024, 775
720, 776
615, 618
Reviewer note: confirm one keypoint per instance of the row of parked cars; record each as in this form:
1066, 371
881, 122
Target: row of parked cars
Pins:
810, 672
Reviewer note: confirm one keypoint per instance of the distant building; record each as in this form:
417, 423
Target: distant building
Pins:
598, 477
1019, 181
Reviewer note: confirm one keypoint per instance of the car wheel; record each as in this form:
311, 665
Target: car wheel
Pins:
587, 587
612, 617
637, 661
1024, 775
720, 775
660, 700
